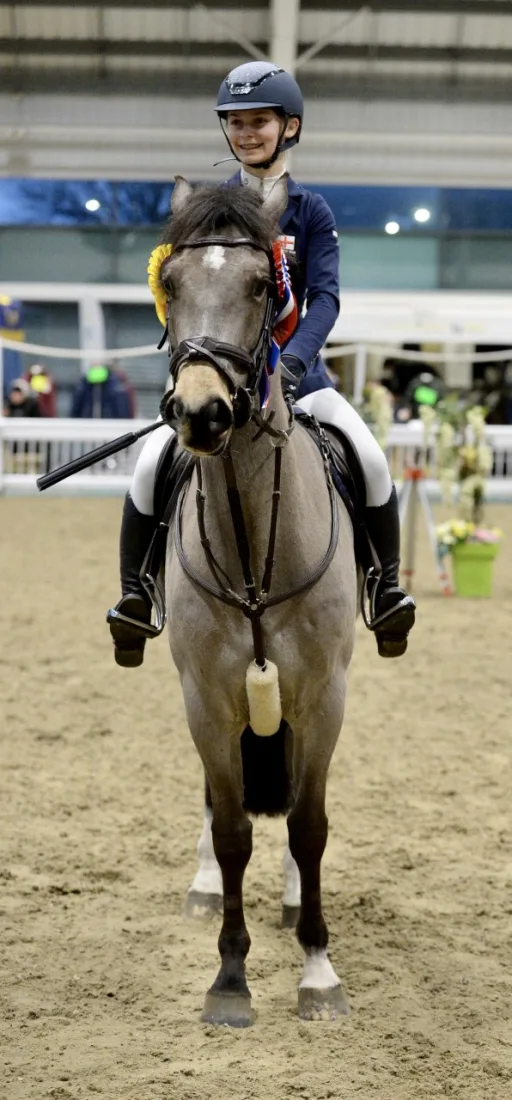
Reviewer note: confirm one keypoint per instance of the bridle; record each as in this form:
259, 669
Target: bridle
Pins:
223, 357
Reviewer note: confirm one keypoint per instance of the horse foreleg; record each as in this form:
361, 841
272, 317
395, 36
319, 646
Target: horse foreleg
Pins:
228, 1001
204, 897
320, 993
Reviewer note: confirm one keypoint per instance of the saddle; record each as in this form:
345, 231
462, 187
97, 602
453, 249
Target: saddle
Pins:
348, 478
176, 466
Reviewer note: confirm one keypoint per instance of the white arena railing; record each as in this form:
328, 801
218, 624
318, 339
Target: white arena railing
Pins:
31, 447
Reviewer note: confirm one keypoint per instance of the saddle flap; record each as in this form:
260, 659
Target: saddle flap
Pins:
175, 468
348, 478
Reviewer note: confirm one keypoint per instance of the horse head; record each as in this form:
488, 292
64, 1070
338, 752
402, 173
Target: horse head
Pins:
220, 290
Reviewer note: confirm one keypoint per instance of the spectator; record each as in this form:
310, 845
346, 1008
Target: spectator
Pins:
20, 400
11, 317
102, 392
426, 388
43, 387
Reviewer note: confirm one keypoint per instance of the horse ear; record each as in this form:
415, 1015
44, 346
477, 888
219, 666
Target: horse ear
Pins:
181, 194
277, 201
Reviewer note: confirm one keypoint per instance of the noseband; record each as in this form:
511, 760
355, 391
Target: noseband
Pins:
225, 358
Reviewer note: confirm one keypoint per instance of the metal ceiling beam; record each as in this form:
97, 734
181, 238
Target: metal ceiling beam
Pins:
375, 52
316, 47
185, 83
428, 7
282, 53
151, 4
284, 32
234, 36
419, 7
113, 47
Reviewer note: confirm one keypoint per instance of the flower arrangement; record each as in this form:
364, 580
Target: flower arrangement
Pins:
464, 461
377, 411
455, 532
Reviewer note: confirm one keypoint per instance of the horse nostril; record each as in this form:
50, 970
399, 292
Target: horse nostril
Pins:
174, 411
219, 417
200, 428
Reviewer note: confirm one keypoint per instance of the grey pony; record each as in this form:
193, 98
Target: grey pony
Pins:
309, 639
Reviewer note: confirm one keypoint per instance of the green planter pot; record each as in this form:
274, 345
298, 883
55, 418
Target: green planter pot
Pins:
473, 568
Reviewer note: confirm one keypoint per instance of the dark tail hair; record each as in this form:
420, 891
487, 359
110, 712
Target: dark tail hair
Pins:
267, 785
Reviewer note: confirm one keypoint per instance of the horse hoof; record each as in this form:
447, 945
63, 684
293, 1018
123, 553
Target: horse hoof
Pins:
322, 1004
290, 916
227, 1010
202, 906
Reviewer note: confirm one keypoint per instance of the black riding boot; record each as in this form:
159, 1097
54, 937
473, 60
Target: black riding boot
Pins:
130, 619
392, 611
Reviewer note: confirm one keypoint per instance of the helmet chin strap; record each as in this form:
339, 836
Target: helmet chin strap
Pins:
281, 147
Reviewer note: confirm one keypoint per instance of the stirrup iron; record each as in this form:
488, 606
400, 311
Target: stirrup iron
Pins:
369, 591
156, 594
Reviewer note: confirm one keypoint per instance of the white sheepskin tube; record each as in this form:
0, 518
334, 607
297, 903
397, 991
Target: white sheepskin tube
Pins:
262, 686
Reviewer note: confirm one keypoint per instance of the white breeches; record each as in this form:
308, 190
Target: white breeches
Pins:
142, 487
329, 407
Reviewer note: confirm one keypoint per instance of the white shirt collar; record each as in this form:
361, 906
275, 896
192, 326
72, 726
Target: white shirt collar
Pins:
263, 185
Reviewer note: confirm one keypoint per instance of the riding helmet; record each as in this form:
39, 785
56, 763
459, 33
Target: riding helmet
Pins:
259, 84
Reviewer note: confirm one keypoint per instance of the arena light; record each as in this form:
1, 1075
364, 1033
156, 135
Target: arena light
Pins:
422, 214
92, 205
392, 228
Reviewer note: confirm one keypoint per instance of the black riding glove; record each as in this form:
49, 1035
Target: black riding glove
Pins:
292, 373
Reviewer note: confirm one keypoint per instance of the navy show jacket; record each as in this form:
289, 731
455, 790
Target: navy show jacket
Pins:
314, 272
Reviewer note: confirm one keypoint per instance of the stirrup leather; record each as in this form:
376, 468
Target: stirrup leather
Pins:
156, 593
369, 592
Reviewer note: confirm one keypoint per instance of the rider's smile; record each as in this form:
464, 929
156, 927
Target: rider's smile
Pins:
253, 134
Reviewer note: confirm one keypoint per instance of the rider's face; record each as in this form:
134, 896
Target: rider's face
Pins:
254, 134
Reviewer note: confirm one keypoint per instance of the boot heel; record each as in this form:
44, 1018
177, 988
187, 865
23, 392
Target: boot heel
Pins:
392, 642
130, 624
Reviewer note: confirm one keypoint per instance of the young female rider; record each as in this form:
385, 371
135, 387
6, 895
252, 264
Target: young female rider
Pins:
260, 108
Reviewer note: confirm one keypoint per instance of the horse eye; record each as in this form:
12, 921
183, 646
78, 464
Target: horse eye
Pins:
167, 278
259, 287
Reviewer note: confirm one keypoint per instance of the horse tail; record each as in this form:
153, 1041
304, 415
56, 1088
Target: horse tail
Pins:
267, 784
262, 686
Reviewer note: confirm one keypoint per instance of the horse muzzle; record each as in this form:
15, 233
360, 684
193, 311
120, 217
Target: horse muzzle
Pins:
200, 409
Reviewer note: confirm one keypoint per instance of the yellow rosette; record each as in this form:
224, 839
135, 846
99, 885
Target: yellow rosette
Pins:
158, 255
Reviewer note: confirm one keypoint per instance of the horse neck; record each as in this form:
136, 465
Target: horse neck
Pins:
254, 465
304, 518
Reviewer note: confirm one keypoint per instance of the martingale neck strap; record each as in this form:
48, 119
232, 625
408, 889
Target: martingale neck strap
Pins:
256, 601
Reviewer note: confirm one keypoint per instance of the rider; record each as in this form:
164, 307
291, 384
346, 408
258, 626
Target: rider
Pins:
260, 108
